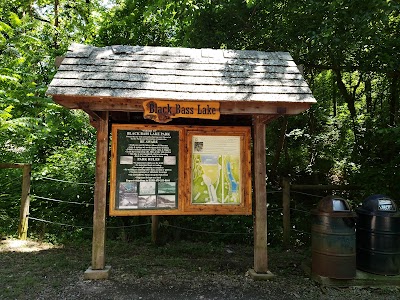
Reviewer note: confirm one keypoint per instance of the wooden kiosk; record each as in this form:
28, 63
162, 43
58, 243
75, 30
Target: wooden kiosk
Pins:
187, 130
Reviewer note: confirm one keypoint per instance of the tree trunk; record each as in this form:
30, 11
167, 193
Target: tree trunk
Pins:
346, 95
368, 96
279, 148
56, 23
394, 99
350, 100
334, 97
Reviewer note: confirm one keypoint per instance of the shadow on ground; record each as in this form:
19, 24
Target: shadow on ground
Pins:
182, 270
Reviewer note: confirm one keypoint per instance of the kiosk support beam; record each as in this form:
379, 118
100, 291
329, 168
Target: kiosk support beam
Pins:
98, 270
260, 271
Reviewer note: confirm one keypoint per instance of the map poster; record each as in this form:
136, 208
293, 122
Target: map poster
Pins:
146, 176
216, 170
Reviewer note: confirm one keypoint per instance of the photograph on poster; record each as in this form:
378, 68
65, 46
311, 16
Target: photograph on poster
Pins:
166, 201
128, 187
166, 188
147, 188
126, 160
170, 160
147, 201
128, 195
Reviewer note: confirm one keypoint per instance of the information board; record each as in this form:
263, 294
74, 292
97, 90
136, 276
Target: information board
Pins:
180, 170
146, 173
219, 162
216, 175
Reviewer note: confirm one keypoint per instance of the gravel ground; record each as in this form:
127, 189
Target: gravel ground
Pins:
178, 271
209, 287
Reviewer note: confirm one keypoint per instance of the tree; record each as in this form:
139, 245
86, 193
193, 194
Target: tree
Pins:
349, 50
32, 127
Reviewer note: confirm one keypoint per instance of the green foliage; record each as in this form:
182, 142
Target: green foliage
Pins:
349, 51
10, 199
32, 128
153, 24
73, 167
380, 167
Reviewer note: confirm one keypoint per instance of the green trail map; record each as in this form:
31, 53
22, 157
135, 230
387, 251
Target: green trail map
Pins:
216, 176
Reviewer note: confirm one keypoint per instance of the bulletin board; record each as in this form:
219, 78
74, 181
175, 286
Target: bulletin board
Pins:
178, 170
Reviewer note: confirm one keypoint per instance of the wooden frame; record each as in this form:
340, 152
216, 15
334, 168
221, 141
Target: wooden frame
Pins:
240, 138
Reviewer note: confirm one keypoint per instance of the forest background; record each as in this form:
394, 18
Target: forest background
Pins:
349, 51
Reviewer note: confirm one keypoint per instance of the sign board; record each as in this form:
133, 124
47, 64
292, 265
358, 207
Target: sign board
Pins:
219, 161
145, 168
164, 111
177, 170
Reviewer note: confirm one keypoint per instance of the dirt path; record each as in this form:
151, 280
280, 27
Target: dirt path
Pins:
178, 271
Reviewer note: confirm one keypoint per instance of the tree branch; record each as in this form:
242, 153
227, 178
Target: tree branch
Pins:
348, 68
39, 18
346, 95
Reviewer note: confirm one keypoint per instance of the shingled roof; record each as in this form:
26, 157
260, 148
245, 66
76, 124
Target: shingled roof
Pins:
122, 77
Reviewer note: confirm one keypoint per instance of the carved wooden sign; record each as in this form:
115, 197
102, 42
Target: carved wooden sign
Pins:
165, 111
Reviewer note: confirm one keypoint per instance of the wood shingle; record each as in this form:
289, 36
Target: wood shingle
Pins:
262, 81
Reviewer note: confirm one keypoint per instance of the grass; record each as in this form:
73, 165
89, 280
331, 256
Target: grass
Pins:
31, 270
28, 267
143, 258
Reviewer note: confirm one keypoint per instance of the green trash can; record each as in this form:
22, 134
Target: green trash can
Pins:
333, 239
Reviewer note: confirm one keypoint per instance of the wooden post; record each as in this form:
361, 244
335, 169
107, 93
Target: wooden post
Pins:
323, 187
25, 199
286, 212
260, 220
12, 166
155, 221
100, 193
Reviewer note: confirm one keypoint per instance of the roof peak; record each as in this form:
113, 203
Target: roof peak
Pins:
81, 50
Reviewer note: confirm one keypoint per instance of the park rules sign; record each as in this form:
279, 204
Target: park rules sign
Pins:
145, 168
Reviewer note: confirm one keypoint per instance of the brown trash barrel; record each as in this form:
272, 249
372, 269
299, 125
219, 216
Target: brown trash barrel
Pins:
333, 239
